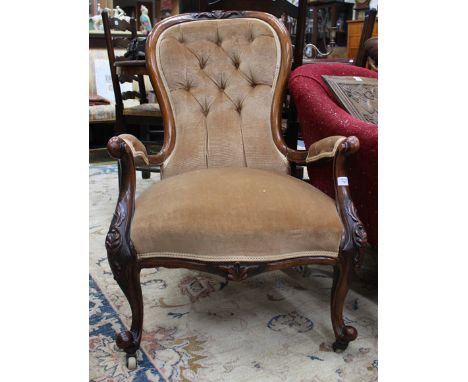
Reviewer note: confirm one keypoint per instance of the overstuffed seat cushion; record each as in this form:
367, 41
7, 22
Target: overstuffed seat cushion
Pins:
235, 214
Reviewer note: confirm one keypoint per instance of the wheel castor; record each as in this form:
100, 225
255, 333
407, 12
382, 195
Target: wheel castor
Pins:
145, 174
339, 346
131, 362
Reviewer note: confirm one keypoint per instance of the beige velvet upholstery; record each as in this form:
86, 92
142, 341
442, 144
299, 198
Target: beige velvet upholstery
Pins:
138, 149
325, 148
220, 76
235, 214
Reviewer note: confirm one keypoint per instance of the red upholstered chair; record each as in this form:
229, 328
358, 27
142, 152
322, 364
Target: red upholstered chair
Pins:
320, 116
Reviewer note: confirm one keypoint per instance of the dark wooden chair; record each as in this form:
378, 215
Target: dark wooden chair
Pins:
226, 203
368, 27
145, 115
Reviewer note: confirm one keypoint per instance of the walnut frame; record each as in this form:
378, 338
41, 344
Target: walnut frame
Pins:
122, 256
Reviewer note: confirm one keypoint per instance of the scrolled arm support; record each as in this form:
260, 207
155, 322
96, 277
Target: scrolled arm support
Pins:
355, 237
137, 149
120, 250
139, 152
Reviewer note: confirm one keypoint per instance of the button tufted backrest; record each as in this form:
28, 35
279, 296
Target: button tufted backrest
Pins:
218, 79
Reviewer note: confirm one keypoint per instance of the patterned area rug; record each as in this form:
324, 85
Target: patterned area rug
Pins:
199, 327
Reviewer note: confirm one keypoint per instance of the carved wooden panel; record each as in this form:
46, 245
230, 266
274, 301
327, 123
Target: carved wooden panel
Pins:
357, 95
218, 14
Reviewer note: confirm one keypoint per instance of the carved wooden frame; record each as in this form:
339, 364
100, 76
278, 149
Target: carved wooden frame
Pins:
122, 256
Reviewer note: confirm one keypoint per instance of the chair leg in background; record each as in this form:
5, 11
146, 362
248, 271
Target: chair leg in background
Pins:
119, 126
341, 279
146, 174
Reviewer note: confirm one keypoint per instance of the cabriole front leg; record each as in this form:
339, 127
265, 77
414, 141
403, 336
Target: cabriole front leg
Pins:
127, 275
129, 282
341, 280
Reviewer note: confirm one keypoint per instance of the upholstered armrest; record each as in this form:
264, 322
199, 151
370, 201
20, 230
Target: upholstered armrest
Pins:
138, 149
139, 153
325, 148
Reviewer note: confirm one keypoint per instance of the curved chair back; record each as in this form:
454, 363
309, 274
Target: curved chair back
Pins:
278, 8
220, 79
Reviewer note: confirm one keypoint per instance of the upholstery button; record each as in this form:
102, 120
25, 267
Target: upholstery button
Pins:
205, 107
203, 62
236, 61
222, 84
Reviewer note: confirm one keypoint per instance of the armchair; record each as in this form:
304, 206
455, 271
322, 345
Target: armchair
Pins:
226, 203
